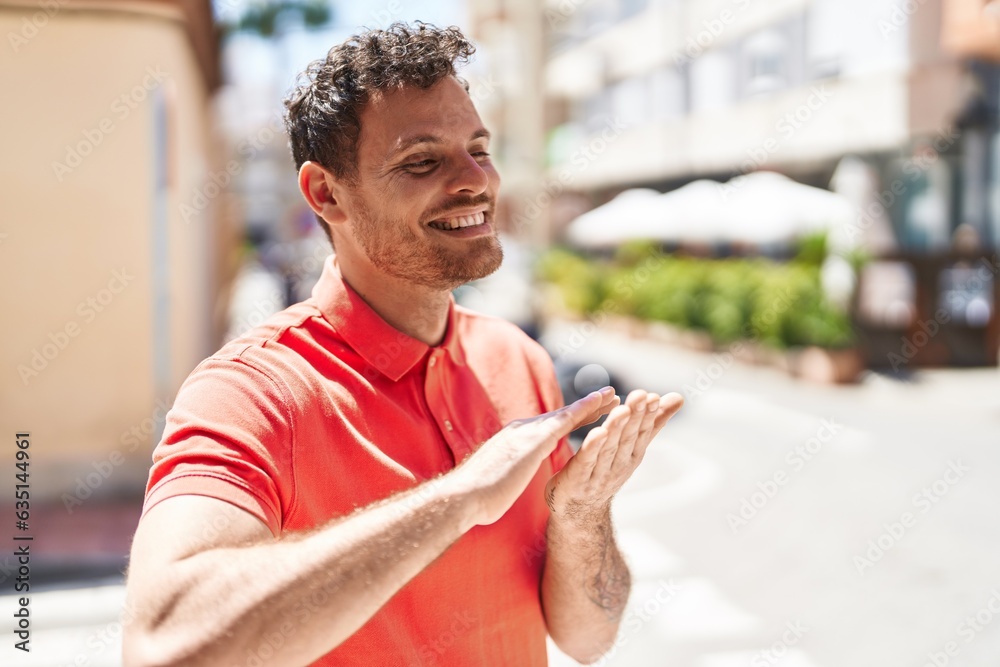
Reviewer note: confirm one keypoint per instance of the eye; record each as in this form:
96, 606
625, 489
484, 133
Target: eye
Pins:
422, 164
481, 154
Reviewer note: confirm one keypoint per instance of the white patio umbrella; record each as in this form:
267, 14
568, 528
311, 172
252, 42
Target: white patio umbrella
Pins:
630, 215
759, 208
693, 213
768, 208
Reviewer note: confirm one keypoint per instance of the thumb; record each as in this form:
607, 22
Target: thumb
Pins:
582, 411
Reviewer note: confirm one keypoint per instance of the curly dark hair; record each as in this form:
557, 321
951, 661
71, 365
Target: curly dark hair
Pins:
324, 108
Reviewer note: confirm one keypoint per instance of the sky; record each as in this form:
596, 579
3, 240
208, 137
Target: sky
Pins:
253, 61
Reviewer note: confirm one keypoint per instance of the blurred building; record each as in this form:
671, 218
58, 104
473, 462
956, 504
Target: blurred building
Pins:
506, 81
115, 243
658, 93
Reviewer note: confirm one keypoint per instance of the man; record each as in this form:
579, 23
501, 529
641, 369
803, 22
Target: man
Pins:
337, 487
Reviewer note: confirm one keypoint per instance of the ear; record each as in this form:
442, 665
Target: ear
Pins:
323, 192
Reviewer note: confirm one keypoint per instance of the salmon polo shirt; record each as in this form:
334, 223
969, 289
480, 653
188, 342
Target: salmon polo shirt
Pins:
325, 408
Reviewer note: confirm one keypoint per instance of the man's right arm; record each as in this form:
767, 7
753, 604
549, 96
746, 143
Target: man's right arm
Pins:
207, 580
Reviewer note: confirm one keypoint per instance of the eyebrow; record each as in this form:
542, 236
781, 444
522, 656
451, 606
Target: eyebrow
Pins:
406, 144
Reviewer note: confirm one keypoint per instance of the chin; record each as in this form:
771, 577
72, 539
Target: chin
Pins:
458, 272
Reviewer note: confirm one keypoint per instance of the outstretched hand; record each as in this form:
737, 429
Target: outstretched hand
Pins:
499, 471
609, 455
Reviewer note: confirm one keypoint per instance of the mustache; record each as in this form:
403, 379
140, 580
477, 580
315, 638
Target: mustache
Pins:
462, 203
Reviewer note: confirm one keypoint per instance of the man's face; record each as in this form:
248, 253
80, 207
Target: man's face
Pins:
422, 208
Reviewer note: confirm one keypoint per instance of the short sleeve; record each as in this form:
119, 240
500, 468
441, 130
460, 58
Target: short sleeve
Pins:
227, 436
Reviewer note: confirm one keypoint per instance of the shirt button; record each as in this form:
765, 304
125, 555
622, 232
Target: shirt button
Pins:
447, 424
433, 360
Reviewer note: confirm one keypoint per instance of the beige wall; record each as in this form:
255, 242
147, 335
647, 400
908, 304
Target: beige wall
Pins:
68, 233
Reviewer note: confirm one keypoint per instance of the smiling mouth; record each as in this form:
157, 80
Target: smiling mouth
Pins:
472, 220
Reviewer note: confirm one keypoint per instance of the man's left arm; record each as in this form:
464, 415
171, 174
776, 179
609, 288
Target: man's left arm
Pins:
586, 583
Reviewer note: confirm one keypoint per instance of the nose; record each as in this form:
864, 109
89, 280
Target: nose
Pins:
469, 178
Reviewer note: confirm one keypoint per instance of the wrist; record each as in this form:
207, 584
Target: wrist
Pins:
456, 491
580, 517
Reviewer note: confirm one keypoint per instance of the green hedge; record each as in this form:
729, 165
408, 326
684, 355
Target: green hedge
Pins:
779, 304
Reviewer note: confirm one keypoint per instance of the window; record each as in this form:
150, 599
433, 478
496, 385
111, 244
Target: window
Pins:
712, 82
666, 94
629, 101
766, 52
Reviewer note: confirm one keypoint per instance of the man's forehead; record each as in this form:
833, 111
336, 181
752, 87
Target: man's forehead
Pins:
397, 120
435, 134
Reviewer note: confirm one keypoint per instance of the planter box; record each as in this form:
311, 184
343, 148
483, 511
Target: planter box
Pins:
817, 364
814, 364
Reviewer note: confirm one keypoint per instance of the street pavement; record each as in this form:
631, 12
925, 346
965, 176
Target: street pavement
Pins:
773, 522
776, 522
71, 627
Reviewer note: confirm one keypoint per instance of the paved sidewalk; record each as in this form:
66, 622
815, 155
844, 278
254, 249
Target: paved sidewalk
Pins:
776, 509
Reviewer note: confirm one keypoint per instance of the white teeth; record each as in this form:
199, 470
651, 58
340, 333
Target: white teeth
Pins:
459, 222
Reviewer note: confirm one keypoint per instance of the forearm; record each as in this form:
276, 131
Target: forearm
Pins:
585, 584
328, 582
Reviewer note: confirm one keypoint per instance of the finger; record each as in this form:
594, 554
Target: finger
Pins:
586, 458
568, 418
645, 432
652, 409
637, 401
669, 405
609, 404
614, 425
649, 416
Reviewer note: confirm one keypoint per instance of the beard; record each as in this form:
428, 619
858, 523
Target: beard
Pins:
393, 248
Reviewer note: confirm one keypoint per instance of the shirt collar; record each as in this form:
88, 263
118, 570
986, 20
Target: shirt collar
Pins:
390, 351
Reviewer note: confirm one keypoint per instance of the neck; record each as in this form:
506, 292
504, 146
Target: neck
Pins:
419, 312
